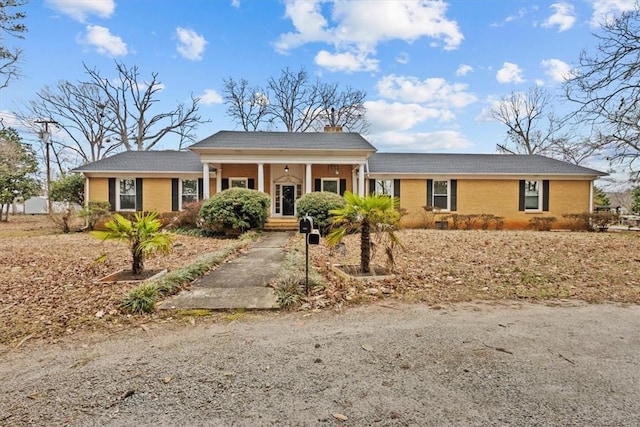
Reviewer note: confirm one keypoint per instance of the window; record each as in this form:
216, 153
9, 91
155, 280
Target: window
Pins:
532, 195
330, 185
383, 187
189, 191
441, 195
127, 195
238, 183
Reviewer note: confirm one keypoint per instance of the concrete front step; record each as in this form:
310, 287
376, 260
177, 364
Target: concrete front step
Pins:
281, 224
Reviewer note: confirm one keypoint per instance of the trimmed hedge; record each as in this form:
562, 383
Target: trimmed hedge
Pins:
235, 211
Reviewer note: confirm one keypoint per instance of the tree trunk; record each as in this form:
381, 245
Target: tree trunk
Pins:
138, 259
365, 248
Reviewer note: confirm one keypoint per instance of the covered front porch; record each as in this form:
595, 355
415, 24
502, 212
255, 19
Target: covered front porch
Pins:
285, 181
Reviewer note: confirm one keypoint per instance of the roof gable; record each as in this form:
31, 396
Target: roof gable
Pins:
321, 141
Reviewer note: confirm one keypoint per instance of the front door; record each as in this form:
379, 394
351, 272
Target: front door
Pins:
288, 200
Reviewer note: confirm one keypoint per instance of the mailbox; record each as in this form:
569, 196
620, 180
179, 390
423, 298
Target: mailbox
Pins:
313, 238
306, 225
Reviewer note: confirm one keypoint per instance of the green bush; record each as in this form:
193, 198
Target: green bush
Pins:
235, 211
141, 299
317, 205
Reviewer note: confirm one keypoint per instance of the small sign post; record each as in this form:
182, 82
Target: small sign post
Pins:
312, 237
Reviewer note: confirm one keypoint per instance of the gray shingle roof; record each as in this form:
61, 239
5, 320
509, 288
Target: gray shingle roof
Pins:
146, 161
462, 164
285, 140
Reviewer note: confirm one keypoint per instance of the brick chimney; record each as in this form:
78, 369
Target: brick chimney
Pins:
329, 128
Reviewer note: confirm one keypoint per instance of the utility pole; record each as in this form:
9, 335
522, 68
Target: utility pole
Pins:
45, 136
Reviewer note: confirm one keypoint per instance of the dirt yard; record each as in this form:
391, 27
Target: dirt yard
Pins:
47, 287
477, 328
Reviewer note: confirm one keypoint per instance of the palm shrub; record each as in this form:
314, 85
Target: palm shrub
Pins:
317, 205
235, 210
143, 234
369, 214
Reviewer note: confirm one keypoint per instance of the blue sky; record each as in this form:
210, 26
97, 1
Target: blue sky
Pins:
431, 69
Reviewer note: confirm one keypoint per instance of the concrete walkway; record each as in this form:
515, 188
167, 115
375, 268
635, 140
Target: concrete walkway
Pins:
240, 283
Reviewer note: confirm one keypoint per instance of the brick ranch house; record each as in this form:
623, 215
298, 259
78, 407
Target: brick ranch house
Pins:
288, 165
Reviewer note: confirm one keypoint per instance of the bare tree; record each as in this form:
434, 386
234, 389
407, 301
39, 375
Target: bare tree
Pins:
295, 102
606, 88
344, 109
130, 101
80, 110
247, 105
10, 24
530, 124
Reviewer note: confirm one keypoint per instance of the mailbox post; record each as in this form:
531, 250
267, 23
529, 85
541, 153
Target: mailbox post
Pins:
312, 237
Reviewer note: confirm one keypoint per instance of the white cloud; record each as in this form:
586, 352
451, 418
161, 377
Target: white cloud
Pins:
556, 69
463, 70
190, 44
359, 26
103, 41
564, 16
81, 9
521, 13
435, 92
384, 116
348, 62
419, 142
235, 3
210, 97
605, 10
402, 58
509, 73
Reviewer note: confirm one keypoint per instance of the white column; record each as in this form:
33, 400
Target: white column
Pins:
361, 180
87, 193
261, 177
218, 178
308, 187
206, 191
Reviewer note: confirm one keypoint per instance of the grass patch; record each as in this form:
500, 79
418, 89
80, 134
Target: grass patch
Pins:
237, 314
291, 280
142, 299
194, 313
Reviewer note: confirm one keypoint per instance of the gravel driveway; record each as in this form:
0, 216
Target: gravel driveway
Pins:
401, 365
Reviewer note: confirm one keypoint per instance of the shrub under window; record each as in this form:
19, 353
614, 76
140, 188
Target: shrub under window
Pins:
235, 210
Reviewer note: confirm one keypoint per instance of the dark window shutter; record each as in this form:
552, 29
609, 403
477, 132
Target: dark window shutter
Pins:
396, 188
317, 184
545, 195
343, 186
112, 194
139, 194
175, 194
225, 183
372, 186
200, 188
454, 195
251, 183
521, 195
429, 192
